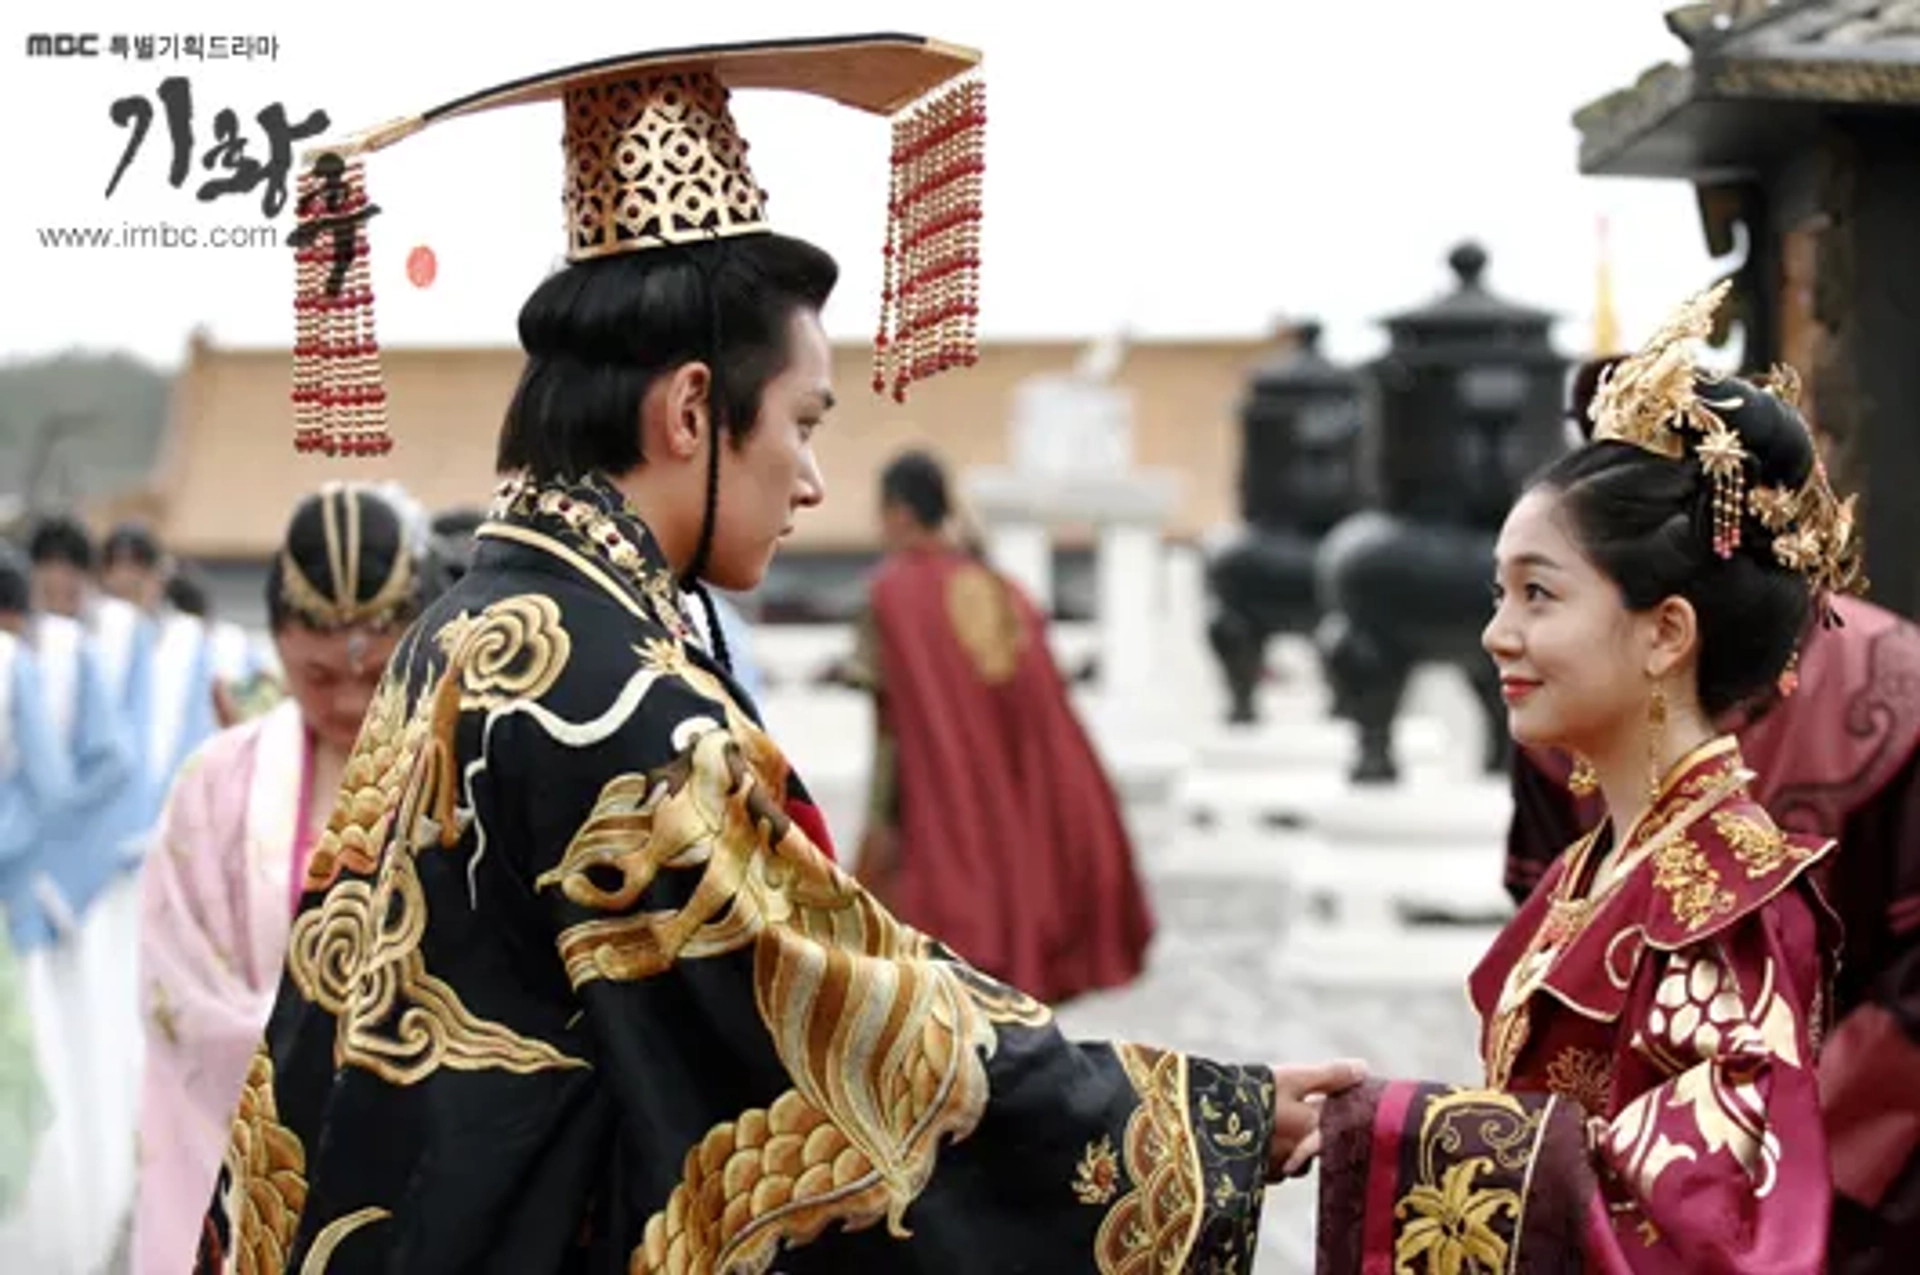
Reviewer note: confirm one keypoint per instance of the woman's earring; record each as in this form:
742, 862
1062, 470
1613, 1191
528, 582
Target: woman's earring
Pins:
1585, 780
1656, 737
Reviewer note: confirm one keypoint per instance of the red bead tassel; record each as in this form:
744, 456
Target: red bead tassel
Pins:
340, 404
310, 290
930, 302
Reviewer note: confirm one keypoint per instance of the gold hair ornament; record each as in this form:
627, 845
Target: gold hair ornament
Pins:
341, 608
1652, 401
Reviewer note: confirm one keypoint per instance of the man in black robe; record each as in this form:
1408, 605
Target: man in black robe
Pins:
576, 984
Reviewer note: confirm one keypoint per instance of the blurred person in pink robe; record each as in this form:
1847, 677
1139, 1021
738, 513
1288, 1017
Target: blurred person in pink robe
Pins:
220, 890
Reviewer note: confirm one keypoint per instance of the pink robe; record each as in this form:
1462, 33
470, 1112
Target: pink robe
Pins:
217, 904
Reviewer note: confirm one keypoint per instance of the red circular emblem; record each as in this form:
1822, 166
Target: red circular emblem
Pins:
421, 267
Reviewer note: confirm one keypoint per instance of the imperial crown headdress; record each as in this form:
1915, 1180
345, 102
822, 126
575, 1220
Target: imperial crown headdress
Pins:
653, 159
1652, 400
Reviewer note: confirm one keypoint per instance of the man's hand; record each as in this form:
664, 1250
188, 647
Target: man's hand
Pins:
1297, 1094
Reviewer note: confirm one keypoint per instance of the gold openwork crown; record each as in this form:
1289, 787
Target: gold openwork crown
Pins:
1652, 400
655, 161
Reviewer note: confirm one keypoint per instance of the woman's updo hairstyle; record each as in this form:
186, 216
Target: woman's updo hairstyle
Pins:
347, 561
1648, 521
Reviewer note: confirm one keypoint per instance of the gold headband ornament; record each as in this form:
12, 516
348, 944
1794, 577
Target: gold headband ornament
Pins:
654, 159
340, 607
1652, 401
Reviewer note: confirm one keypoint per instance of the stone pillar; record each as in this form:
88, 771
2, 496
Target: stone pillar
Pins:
1130, 599
1127, 510
1022, 546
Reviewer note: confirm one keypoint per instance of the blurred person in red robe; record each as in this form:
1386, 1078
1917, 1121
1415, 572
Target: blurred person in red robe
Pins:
992, 824
1651, 1020
1835, 757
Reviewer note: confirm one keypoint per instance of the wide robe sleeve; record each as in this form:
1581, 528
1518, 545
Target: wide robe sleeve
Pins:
805, 1078
1719, 1167
201, 1007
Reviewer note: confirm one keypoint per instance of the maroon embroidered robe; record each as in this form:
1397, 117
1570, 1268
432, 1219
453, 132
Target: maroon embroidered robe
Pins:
1650, 1021
1840, 758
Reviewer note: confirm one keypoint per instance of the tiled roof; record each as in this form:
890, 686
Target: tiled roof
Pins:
1749, 55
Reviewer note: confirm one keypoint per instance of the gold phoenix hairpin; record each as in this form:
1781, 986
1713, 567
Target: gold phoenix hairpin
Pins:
1651, 399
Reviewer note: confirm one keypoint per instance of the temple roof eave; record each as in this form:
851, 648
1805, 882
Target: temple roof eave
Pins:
1725, 115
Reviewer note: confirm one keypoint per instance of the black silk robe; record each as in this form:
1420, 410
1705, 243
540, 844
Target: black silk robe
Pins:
575, 985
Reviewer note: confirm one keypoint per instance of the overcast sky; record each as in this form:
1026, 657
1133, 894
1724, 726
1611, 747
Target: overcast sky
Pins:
1204, 170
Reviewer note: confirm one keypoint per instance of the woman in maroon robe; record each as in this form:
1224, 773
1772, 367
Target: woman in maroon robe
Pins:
992, 824
1651, 1018
1839, 757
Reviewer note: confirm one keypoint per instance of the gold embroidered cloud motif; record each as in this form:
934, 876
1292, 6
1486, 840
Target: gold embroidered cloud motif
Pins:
884, 1039
357, 953
516, 649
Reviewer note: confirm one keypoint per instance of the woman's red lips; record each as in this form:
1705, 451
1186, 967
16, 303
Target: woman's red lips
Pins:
1515, 689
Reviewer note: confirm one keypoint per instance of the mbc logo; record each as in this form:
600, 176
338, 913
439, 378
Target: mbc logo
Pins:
63, 46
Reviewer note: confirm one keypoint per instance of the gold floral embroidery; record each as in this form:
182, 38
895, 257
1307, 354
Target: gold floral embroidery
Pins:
1150, 1228
1225, 1129
1718, 1048
1638, 1149
1566, 919
1582, 1075
265, 1186
1760, 847
1692, 885
1451, 1224
895, 1066
1097, 1178
1729, 769
357, 955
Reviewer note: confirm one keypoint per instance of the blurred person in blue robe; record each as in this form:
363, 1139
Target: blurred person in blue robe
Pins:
237, 656
157, 691
182, 711
43, 1100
